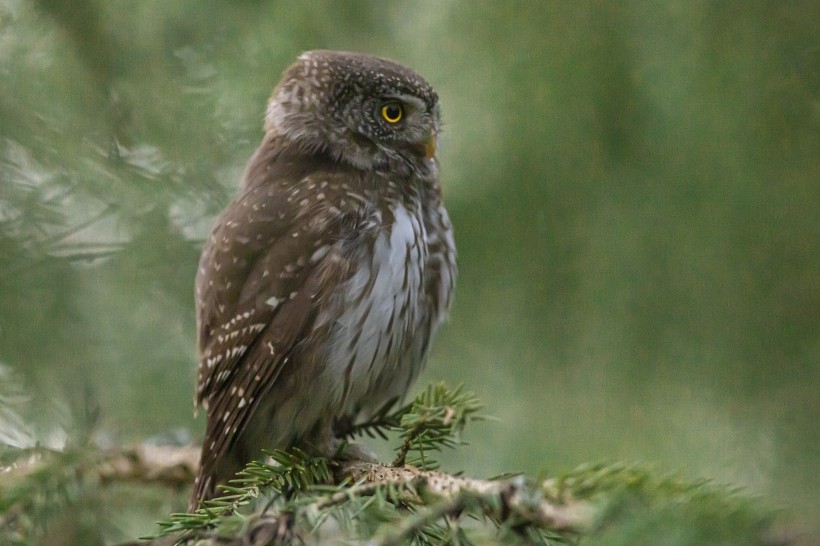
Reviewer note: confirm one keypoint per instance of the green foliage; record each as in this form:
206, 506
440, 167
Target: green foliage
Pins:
633, 187
288, 474
636, 506
40, 490
300, 496
434, 420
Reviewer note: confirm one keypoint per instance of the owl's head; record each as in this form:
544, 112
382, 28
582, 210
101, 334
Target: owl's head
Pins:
364, 110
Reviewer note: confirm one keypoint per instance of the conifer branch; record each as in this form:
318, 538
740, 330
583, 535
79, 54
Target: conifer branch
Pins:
502, 499
294, 497
434, 420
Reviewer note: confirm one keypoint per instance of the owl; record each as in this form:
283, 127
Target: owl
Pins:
323, 283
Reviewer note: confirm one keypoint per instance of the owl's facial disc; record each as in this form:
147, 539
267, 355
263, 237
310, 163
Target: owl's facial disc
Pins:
401, 122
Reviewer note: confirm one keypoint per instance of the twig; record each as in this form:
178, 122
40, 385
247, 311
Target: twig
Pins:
417, 522
406, 445
146, 463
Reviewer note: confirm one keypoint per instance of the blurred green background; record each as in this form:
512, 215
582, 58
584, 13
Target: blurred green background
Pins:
635, 188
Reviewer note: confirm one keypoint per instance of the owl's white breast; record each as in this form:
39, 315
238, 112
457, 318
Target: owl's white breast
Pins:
369, 356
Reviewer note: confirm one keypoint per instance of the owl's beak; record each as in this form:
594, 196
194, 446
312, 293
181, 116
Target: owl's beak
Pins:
429, 146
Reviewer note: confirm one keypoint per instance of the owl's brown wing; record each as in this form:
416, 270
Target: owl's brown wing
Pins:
258, 286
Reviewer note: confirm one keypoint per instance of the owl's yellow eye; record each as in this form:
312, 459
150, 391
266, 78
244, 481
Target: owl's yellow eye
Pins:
392, 112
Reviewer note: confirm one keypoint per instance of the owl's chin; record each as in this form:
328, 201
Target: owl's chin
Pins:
366, 155
380, 159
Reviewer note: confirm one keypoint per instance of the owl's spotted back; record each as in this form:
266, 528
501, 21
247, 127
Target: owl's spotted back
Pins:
323, 283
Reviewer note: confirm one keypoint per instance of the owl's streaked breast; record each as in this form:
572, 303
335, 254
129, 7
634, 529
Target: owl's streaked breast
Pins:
376, 315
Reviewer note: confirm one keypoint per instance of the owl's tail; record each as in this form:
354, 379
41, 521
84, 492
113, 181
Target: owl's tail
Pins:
213, 472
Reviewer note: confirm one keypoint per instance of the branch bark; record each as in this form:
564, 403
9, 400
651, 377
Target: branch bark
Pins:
515, 496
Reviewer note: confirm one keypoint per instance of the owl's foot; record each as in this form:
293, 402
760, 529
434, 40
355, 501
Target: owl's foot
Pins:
352, 451
341, 450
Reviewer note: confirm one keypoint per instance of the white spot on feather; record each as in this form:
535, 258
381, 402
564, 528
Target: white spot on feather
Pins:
319, 253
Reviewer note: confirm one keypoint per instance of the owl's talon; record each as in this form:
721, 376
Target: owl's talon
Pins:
353, 451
